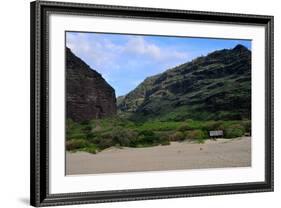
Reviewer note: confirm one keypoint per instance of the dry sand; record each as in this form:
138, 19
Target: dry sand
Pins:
185, 155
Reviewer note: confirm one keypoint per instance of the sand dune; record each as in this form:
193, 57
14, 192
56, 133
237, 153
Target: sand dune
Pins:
185, 155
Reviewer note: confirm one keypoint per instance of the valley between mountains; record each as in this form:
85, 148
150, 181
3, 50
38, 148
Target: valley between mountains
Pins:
183, 103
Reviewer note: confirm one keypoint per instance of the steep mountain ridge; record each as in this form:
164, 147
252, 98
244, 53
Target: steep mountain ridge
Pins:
88, 95
215, 86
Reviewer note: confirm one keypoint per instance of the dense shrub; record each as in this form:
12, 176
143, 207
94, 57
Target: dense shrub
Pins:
213, 125
123, 136
196, 135
77, 131
247, 126
85, 123
76, 136
147, 137
184, 127
87, 128
75, 144
115, 137
105, 140
91, 148
158, 126
235, 130
164, 139
147, 133
100, 134
177, 136
164, 142
122, 141
90, 135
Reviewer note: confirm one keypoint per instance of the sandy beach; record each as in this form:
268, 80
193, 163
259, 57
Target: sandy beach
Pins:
218, 153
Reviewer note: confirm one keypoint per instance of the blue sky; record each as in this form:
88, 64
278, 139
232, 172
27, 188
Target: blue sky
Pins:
126, 60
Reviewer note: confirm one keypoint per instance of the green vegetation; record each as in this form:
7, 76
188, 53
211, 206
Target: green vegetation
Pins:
235, 130
177, 136
213, 90
212, 87
97, 135
197, 134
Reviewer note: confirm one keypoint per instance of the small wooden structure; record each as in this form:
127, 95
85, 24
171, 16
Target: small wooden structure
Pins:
216, 133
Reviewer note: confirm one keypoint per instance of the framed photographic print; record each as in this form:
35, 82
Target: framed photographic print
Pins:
131, 103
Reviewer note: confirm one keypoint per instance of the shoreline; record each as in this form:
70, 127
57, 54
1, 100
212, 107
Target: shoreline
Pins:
219, 153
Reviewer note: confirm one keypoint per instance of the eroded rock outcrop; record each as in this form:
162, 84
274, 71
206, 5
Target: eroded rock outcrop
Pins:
88, 95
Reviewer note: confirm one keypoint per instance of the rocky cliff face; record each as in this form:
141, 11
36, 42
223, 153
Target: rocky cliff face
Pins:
88, 95
216, 86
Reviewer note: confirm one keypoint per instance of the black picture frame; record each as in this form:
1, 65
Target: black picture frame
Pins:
39, 187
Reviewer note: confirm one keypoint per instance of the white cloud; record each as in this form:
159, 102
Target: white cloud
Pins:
139, 45
102, 50
94, 51
124, 56
78, 42
134, 54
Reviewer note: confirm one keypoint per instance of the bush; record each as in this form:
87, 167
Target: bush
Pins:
147, 133
196, 135
235, 130
184, 127
75, 144
122, 141
164, 142
117, 136
213, 125
105, 141
158, 126
76, 136
164, 139
85, 123
121, 136
124, 137
147, 137
91, 148
74, 130
177, 136
87, 128
90, 135
247, 125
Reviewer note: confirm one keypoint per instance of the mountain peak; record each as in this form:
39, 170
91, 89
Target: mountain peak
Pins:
240, 47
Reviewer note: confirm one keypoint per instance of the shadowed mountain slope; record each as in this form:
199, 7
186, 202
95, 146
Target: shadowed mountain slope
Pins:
88, 95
